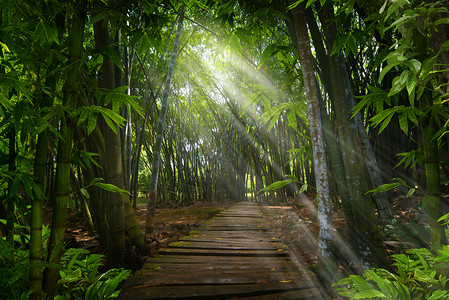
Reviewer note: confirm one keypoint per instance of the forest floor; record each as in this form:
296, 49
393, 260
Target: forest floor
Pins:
293, 220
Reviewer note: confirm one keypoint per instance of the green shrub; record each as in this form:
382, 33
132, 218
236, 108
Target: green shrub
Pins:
13, 272
81, 277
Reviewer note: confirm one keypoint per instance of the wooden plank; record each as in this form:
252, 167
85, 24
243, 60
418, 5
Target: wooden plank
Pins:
224, 252
234, 255
217, 244
304, 294
148, 278
220, 260
222, 269
228, 240
214, 291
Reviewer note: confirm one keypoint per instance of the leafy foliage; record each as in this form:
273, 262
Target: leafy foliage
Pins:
81, 277
13, 272
419, 276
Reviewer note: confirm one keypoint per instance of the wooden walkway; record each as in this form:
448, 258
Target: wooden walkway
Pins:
235, 255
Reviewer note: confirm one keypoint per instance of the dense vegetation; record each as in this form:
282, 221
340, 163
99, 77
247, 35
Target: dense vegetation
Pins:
105, 102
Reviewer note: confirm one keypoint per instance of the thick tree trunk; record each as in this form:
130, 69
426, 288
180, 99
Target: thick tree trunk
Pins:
155, 162
383, 207
368, 239
433, 184
325, 265
113, 160
61, 190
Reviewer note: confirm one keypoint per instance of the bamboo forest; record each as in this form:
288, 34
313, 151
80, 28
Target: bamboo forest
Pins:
224, 149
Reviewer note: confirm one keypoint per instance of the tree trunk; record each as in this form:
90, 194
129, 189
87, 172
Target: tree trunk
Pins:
433, 184
325, 264
113, 160
64, 156
368, 239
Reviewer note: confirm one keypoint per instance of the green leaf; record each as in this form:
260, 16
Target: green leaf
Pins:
367, 294
403, 121
295, 4
382, 9
384, 188
45, 34
5, 47
444, 217
396, 86
427, 67
235, 43
276, 185
268, 52
291, 117
351, 43
411, 83
92, 121
84, 192
110, 187
387, 68
386, 122
112, 55
414, 65
410, 192
274, 120
400, 180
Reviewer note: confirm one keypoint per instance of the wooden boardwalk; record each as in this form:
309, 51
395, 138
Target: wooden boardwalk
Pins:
233, 256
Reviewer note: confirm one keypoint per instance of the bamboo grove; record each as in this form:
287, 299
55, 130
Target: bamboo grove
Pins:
106, 103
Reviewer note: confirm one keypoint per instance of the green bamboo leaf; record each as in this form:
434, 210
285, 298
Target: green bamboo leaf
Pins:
276, 185
109, 122
387, 68
110, 188
5, 47
292, 177
295, 4
386, 122
235, 43
384, 188
400, 180
411, 83
414, 65
397, 85
382, 9
403, 121
291, 117
303, 188
268, 52
351, 43
310, 2
92, 121
112, 55
45, 34
84, 192
274, 120
120, 89
382, 283
410, 192
427, 67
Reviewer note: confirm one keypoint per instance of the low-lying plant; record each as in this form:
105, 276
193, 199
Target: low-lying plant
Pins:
420, 274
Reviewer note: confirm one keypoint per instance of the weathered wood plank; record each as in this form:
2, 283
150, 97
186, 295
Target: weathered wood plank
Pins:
216, 291
209, 277
233, 255
223, 252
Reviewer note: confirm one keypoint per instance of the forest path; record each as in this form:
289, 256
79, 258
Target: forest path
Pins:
234, 255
